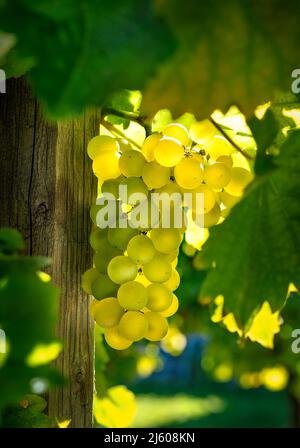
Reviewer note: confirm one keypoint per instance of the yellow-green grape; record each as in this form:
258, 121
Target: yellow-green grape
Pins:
119, 237
165, 240
124, 145
146, 215
97, 238
94, 209
188, 173
88, 278
180, 222
111, 186
101, 143
209, 198
199, 263
202, 131
217, 175
159, 297
171, 256
188, 249
158, 270
227, 160
106, 165
140, 249
212, 217
132, 296
178, 131
172, 308
134, 185
149, 146
108, 312
217, 147
157, 326
168, 152
103, 287
240, 178
131, 163
173, 194
133, 325
122, 269
103, 257
155, 175
173, 282
228, 199
115, 340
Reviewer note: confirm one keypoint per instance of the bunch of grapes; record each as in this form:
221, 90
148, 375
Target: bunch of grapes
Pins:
134, 274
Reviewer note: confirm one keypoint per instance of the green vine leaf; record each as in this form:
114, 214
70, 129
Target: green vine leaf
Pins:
89, 48
256, 251
234, 52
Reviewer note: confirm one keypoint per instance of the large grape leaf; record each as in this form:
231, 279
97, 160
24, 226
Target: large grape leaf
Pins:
256, 251
233, 52
82, 51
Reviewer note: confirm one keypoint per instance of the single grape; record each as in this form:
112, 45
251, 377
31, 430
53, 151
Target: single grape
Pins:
111, 186
155, 175
102, 258
168, 152
103, 287
144, 215
101, 143
228, 199
122, 269
227, 160
131, 163
179, 132
140, 249
165, 240
98, 238
108, 312
135, 186
188, 173
158, 270
188, 249
115, 340
132, 296
172, 308
240, 178
202, 131
217, 175
149, 146
88, 278
133, 325
209, 199
106, 165
173, 282
218, 146
157, 326
94, 209
159, 297
119, 237
212, 217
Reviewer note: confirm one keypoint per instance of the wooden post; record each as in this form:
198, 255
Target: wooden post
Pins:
46, 188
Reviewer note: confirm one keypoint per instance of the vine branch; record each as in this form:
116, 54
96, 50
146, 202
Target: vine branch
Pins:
229, 139
111, 128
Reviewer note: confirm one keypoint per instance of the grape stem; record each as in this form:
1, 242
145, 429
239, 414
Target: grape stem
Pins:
132, 116
229, 139
111, 128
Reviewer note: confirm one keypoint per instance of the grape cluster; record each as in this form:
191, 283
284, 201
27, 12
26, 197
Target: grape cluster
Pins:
134, 275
